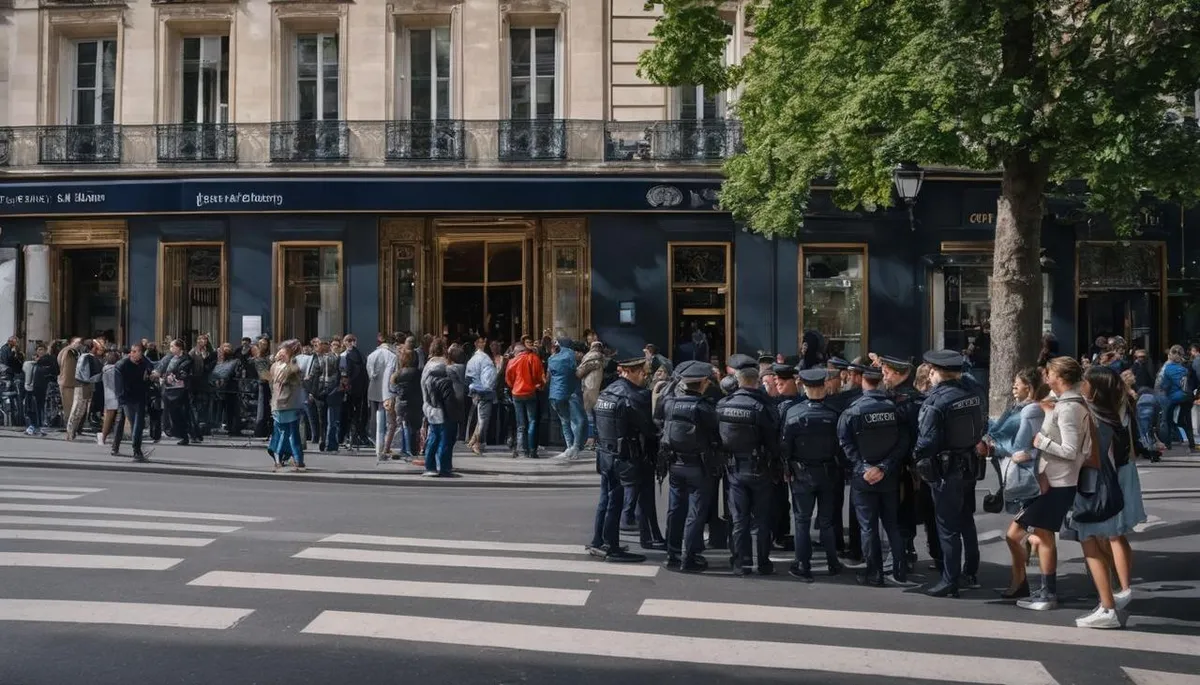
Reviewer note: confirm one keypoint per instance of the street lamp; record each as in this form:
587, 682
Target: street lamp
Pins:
908, 177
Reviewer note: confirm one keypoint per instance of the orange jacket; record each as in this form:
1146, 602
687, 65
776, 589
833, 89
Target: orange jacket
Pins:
525, 374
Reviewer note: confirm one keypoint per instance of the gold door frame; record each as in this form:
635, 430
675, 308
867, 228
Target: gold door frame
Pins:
835, 248
61, 236
1163, 315
395, 234
499, 230
571, 234
221, 333
952, 247
277, 269
727, 286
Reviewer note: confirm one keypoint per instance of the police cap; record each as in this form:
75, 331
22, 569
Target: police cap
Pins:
895, 362
737, 362
631, 363
694, 370
814, 377
872, 373
766, 358
856, 368
944, 359
783, 371
838, 363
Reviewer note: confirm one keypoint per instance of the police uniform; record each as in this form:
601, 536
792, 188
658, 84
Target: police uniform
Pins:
908, 405
811, 450
875, 441
950, 424
748, 423
719, 521
689, 434
782, 527
624, 443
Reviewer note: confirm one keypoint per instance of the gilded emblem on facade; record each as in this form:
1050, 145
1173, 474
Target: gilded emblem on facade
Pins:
664, 196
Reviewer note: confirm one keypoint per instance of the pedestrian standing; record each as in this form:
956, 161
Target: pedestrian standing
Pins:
810, 451
286, 406
481, 380
689, 434
591, 376
406, 393
131, 376
88, 371
381, 364
112, 403
525, 376
39, 374
566, 398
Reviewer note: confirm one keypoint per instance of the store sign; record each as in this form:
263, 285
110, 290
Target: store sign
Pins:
979, 208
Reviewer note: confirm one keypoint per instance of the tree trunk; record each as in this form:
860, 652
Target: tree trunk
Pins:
1016, 290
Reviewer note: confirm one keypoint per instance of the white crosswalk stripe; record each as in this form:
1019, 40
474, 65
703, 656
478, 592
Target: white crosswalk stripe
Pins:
111, 538
121, 511
51, 488
1143, 677
477, 562
26, 494
461, 545
121, 613
116, 524
89, 561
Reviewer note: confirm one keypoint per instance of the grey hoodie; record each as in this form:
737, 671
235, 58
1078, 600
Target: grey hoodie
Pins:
434, 415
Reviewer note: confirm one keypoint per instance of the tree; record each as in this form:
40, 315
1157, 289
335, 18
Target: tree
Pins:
1042, 91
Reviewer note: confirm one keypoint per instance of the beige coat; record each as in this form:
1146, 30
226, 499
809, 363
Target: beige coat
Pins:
591, 374
285, 386
1065, 440
68, 359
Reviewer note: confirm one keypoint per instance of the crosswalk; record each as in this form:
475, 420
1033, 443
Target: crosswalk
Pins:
534, 598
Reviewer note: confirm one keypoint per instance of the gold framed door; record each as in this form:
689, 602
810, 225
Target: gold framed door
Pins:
402, 275
700, 297
484, 283
88, 278
193, 292
309, 296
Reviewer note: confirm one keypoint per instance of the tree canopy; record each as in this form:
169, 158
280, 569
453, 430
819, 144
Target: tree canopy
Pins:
1087, 90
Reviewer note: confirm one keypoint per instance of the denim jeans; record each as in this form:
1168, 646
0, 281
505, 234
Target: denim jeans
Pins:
526, 423
572, 419
439, 447
333, 420
1147, 409
286, 436
484, 406
136, 414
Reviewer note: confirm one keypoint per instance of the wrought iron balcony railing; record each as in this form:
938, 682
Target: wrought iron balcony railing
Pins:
523, 140
197, 143
79, 144
475, 144
440, 140
310, 141
673, 141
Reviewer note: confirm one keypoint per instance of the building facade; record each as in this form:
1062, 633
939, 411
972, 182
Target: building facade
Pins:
305, 168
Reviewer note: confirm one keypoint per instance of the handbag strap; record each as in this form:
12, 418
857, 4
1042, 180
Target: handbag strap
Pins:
1093, 458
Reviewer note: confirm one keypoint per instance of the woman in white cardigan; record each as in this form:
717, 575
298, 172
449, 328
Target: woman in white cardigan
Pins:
1064, 442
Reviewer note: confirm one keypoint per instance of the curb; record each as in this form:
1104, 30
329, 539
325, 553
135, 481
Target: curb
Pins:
315, 477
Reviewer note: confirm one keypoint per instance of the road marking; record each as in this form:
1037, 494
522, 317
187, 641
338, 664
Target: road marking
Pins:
515, 594
93, 561
921, 625
1143, 677
598, 568
121, 613
474, 545
87, 536
51, 488
681, 649
112, 523
15, 494
114, 511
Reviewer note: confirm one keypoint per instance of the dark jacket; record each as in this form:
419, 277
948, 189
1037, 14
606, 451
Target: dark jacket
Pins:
406, 388
131, 380
45, 369
181, 368
442, 395
10, 360
356, 371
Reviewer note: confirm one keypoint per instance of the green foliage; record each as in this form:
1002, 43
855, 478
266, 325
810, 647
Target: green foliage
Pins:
845, 89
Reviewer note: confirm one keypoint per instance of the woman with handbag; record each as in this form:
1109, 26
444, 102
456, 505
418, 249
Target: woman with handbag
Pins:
1104, 513
1063, 443
1010, 435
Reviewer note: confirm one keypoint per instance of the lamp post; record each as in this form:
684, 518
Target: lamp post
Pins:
908, 177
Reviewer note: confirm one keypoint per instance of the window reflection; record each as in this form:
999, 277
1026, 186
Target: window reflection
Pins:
312, 292
833, 301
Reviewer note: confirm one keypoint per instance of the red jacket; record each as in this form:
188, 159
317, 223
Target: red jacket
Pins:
525, 375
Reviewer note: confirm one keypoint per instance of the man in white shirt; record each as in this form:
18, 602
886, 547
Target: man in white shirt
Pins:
303, 362
481, 381
381, 364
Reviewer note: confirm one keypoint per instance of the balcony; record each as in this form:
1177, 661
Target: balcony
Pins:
672, 141
431, 141
530, 140
79, 144
310, 141
197, 143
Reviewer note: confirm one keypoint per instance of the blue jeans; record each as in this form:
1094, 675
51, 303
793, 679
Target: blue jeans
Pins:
285, 439
136, 413
439, 447
333, 420
526, 408
1147, 411
573, 421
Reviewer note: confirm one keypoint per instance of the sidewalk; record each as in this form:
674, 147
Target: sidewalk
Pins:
220, 457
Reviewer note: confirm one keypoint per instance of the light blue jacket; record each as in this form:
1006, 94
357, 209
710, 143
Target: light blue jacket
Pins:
561, 369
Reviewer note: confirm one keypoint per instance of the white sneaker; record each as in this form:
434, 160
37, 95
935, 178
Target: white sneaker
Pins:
1039, 601
99, 438
1101, 618
30, 431
565, 454
1123, 598
430, 474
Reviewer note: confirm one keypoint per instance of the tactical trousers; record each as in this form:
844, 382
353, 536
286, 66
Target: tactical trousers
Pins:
926, 516
718, 514
953, 507
907, 515
647, 507
782, 516
818, 491
691, 493
750, 501
839, 528
606, 528
875, 509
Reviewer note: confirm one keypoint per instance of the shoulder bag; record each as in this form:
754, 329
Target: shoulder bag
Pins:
1100, 491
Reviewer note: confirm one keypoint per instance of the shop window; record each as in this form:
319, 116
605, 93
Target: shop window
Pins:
833, 292
309, 300
701, 300
401, 269
192, 291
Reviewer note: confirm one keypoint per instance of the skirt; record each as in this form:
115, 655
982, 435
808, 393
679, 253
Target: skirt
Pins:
1133, 513
1048, 511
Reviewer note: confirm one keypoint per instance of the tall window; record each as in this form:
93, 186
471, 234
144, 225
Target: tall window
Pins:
533, 73
833, 287
205, 80
310, 290
429, 74
697, 103
317, 77
93, 92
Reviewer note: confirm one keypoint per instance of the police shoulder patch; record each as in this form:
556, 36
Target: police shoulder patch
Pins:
972, 401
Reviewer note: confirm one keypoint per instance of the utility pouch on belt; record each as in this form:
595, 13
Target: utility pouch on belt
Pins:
928, 469
979, 466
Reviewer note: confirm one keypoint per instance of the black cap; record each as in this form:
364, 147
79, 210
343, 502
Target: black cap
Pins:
895, 362
631, 363
766, 358
694, 370
783, 371
814, 377
944, 359
838, 363
737, 362
856, 368
872, 373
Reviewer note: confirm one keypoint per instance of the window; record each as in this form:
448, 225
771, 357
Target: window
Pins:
317, 77
833, 298
309, 290
205, 80
696, 103
428, 74
533, 58
93, 86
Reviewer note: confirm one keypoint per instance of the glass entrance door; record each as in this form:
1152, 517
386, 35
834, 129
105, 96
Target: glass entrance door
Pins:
1131, 315
483, 288
91, 293
192, 284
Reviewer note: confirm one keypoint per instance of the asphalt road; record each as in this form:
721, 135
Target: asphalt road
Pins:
234, 581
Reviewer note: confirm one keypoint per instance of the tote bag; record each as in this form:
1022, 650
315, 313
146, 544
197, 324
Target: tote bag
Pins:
1100, 492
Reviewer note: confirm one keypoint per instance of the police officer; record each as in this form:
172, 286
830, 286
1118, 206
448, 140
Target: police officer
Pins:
875, 443
951, 423
625, 441
898, 379
719, 523
689, 433
786, 395
851, 390
748, 423
811, 450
